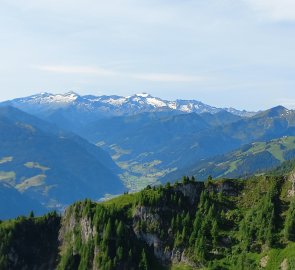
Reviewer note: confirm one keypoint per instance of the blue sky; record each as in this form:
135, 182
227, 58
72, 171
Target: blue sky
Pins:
238, 53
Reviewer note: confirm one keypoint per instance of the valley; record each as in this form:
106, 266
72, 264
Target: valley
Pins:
135, 141
51, 166
216, 224
147, 135
110, 192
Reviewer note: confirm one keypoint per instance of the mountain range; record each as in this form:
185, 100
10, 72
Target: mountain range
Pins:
147, 146
56, 149
150, 146
72, 110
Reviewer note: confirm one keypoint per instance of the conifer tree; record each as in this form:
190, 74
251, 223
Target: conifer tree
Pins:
31, 215
120, 230
143, 264
107, 232
200, 248
289, 227
119, 253
214, 233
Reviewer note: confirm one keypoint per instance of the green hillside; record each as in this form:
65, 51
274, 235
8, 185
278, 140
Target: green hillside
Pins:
250, 159
224, 224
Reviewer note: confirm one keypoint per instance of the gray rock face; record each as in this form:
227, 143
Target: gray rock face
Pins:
291, 192
192, 191
228, 188
151, 216
146, 223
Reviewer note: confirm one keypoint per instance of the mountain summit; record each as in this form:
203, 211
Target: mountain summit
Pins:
115, 105
73, 111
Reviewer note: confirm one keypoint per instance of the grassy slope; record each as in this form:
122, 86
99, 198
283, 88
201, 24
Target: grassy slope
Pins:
249, 159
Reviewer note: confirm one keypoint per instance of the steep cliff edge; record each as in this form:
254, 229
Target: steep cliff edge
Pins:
224, 224
30, 243
201, 225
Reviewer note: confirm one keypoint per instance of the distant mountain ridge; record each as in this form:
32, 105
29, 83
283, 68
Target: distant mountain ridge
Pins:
151, 145
148, 137
114, 105
129, 143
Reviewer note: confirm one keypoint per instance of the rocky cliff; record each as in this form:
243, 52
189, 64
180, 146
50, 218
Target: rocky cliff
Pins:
225, 224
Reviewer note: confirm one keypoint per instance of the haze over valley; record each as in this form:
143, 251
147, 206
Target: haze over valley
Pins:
147, 135
100, 146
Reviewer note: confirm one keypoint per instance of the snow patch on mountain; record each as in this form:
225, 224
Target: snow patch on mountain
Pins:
117, 105
156, 102
115, 102
45, 98
172, 105
144, 95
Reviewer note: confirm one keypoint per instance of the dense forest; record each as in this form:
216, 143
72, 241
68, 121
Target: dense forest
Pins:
217, 224
29, 242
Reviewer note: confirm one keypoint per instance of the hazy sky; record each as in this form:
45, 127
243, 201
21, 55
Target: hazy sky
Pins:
238, 53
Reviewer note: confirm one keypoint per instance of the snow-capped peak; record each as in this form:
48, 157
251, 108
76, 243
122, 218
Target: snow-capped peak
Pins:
144, 95
67, 98
119, 105
156, 102
44, 94
72, 94
48, 98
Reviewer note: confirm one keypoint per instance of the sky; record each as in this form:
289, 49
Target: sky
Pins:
226, 53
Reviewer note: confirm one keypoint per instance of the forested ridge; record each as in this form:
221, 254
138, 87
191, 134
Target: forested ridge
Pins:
217, 224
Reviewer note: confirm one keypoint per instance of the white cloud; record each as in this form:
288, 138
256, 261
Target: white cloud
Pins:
103, 72
277, 10
85, 10
78, 70
165, 77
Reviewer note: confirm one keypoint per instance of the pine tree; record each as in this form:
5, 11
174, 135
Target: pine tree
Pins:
289, 228
200, 248
168, 185
214, 233
143, 264
269, 237
107, 232
178, 239
186, 220
179, 202
196, 228
173, 224
202, 199
185, 180
120, 253
120, 230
